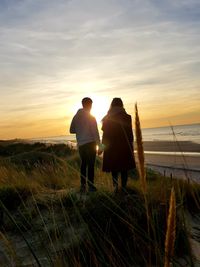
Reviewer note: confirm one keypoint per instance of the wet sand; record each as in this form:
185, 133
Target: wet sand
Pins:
181, 155
171, 146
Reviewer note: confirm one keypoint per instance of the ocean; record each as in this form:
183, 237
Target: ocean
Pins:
180, 132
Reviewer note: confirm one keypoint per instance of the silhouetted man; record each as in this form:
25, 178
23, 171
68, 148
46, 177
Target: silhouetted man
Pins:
84, 125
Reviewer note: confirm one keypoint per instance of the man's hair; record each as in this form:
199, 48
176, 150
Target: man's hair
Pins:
116, 102
86, 101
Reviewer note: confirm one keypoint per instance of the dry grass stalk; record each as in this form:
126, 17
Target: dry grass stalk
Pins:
142, 170
171, 230
140, 151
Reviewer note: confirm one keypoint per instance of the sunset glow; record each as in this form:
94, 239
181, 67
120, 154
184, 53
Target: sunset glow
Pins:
54, 53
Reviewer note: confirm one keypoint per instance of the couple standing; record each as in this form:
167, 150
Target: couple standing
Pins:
117, 143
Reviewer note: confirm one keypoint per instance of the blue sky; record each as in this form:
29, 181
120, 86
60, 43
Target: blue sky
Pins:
53, 53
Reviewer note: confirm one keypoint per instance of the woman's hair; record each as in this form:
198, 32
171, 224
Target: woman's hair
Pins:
116, 102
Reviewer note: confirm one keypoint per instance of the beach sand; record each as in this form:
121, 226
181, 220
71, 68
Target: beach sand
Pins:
175, 164
186, 167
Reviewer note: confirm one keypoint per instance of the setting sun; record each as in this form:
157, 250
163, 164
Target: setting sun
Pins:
100, 107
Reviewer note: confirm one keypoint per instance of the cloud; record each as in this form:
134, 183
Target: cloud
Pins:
52, 52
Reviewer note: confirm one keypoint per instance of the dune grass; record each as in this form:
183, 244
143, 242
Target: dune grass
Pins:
46, 222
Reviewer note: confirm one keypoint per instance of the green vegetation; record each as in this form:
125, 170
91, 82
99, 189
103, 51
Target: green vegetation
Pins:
46, 222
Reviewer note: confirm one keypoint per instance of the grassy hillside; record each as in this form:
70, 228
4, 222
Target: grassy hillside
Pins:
46, 222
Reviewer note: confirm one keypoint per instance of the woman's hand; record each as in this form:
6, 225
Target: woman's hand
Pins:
101, 149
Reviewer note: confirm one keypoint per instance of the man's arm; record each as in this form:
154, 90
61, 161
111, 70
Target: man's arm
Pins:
95, 131
72, 126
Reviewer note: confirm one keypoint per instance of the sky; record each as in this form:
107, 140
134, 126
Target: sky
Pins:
54, 53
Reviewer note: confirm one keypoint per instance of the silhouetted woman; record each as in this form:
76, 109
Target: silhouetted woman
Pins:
117, 138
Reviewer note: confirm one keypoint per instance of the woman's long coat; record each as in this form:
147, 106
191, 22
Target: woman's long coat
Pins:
118, 141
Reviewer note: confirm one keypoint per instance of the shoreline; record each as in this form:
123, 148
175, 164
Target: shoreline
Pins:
149, 146
173, 159
170, 157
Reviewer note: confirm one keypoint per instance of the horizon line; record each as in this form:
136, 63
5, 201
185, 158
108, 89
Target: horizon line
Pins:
53, 136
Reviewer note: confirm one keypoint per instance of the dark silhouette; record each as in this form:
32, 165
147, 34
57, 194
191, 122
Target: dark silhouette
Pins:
84, 125
118, 141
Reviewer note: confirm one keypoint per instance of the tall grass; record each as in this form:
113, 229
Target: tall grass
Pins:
142, 172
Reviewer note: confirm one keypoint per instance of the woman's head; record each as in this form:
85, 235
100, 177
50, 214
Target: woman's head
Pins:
116, 102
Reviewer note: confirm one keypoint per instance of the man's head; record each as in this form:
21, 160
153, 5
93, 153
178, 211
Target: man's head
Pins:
87, 103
